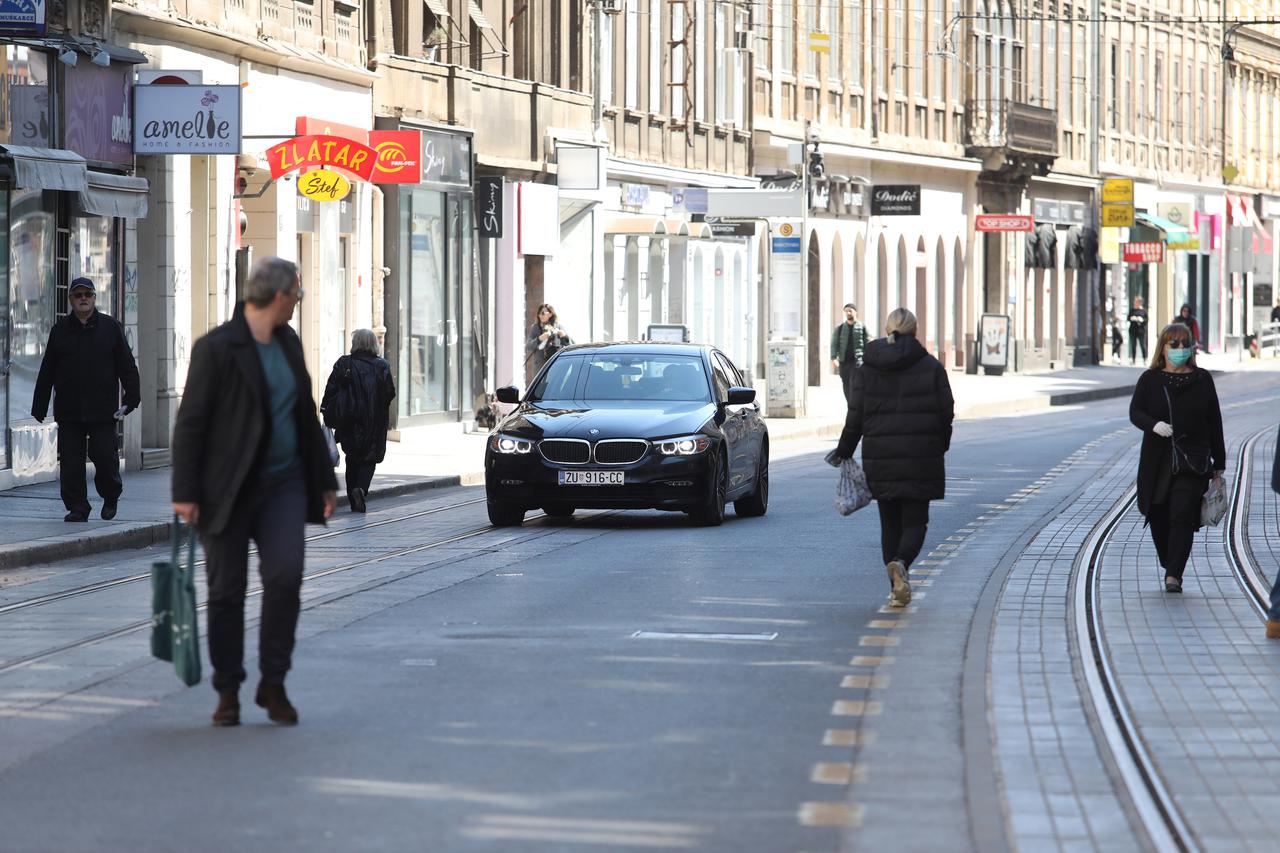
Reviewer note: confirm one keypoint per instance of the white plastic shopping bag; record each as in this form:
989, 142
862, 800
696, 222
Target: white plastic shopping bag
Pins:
1214, 505
852, 492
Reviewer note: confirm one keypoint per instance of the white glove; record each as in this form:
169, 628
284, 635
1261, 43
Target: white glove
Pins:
1162, 429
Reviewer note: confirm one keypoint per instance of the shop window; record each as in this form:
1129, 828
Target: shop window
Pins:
25, 89
424, 310
92, 254
31, 292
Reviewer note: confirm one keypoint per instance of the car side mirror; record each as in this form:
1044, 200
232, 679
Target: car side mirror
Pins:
739, 396
508, 394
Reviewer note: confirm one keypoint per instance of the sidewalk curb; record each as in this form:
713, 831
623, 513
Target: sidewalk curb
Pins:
146, 534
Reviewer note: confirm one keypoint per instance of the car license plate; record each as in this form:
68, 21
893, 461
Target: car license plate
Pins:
592, 478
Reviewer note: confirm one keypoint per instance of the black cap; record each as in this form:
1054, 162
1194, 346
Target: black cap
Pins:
80, 282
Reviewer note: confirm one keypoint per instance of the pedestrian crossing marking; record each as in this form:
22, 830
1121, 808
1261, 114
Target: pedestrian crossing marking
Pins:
867, 681
847, 737
870, 660
856, 708
887, 623
876, 640
889, 608
831, 814
832, 773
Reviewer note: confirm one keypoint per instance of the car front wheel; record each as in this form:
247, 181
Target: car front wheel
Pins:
710, 513
505, 514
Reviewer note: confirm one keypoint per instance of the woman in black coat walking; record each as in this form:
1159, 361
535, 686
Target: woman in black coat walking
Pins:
356, 404
1175, 404
901, 409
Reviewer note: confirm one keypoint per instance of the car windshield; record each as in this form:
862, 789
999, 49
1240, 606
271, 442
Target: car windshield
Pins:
631, 377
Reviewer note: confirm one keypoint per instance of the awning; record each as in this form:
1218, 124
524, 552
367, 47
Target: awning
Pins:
115, 195
438, 8
48, 168
1173, 233
477, 16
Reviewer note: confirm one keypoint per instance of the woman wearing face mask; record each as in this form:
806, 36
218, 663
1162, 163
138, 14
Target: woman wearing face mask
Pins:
1176, 406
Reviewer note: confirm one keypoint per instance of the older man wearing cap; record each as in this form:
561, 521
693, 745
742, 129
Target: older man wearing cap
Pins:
86, 363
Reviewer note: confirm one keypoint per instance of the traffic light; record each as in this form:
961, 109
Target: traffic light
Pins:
817, 168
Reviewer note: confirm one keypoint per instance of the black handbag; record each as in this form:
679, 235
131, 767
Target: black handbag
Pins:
1191, 459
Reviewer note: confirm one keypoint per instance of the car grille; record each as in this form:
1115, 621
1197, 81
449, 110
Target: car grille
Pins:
621, 451
566, 451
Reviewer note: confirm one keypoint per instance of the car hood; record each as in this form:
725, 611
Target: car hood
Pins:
612, 419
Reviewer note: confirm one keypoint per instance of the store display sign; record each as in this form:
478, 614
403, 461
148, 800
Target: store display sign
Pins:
1117, 216
323, 185
990, 222
446, 158
895, 200
993, 340
186, 119
96, 118
1117, 191
488, 207
1144, 252
309, 152
399, 156
24, 16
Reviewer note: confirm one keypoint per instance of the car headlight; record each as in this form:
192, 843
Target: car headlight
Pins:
689, 445
500, 443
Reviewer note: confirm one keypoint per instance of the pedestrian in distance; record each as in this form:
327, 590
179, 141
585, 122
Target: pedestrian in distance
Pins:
546, 337
1137, 330
87, 362
901, 410
848, 345
250, 461
1275, 313
1175, 404
356, 404
1186, 318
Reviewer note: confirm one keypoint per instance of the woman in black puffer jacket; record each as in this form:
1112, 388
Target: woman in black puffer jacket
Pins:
1176, 402
357, 404
901, 409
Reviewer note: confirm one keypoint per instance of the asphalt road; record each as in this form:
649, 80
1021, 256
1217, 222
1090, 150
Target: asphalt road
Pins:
622, 681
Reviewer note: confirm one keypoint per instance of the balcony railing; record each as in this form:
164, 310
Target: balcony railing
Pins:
1016, 127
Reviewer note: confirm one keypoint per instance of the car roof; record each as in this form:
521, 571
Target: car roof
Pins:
650, 347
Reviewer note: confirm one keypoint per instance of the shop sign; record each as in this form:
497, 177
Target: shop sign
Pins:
168, 77
323, 185
1191, 244
1177, 212
1052, 210
1144, 252
1117, 191
730, 227
994, 222
895, 200
310, 152
25, 16
399, 158
186, 119
488, 207
95, 112
446, 158
1117, 216
635, 195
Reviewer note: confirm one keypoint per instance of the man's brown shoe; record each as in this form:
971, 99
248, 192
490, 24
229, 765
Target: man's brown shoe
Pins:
228, 712
273, 698
1273, 629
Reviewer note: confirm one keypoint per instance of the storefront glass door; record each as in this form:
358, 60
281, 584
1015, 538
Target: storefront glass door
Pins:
32, 311
425, 308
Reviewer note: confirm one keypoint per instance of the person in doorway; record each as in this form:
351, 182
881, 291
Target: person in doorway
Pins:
1137, 330
1275, 312
86, 363
901, 408
848, 344
1175, 404
1186, 318
545, 337
250, 461
356, 404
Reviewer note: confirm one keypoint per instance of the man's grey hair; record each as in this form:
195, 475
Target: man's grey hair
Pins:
269, 276
364, 340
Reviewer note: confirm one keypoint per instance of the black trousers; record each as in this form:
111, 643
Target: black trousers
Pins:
1137, 342
272, 516
359, 476
1174, 523
847, 369
100, 439
903, 524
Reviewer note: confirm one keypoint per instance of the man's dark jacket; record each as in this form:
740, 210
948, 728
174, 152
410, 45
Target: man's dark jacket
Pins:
901, 409
224, 424
86, 364
367, 379
840, 342
1196, 418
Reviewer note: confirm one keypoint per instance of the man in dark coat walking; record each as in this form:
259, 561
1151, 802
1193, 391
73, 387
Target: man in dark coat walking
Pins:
901, 410
250, 461
86, 363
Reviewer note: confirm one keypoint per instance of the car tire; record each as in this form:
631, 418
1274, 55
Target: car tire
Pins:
710, 513
756, 504
559, 511
505, 514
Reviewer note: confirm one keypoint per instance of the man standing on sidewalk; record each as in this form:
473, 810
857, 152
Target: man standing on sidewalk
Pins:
250, 461
1137, 331
848, 343
86, 363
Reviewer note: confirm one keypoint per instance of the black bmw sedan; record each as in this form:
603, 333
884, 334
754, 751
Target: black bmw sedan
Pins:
630, 426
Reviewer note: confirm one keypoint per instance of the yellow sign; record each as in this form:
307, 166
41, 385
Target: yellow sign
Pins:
323, 185
1190, 245
1109, 246
786, 229
1117, 191
820, 42
1117, 216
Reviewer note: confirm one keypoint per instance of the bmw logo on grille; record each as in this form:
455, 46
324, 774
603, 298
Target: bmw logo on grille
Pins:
594, 431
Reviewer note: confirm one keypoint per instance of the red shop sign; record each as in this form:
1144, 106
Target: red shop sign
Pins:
1003, 222
399, 156
1149, 252
308, 152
